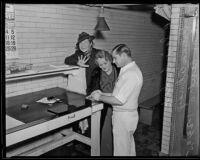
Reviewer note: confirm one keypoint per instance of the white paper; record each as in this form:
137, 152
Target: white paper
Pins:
46, 101
77, 81
12, 122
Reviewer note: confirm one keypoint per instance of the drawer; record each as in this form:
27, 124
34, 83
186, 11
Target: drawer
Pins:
68, 118
78, 115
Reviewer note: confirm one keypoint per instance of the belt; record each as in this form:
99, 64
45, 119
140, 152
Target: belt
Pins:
124, 110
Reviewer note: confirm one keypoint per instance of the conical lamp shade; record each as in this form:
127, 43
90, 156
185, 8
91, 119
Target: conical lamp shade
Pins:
101, 25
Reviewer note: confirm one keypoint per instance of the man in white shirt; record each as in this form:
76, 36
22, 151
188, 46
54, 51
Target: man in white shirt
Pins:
124, 100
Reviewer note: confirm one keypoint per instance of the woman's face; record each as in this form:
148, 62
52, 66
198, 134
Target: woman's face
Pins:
105, 65
85, 45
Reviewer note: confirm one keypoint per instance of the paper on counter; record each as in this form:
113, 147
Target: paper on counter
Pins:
12, 122
46, 101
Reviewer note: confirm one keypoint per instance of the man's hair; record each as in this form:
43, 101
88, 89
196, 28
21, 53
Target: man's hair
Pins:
103, 54
120, 48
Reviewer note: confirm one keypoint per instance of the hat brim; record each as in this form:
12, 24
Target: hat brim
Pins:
88, 37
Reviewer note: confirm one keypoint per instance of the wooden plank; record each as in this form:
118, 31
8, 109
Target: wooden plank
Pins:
39, 142
95, 134
49, 146
82, 139
28, 147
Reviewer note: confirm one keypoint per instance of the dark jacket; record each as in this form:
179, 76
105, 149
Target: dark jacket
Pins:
96, 77
95, 80
73, 59
94, 85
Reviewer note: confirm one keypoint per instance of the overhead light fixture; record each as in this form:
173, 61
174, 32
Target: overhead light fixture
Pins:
101, 22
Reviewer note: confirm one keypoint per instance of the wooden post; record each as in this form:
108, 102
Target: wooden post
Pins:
95, 133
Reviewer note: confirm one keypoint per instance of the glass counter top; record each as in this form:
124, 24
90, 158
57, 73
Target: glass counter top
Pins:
36, 112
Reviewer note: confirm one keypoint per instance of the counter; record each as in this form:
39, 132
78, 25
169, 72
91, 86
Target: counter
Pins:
36, 120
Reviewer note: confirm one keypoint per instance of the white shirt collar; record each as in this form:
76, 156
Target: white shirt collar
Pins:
127, 66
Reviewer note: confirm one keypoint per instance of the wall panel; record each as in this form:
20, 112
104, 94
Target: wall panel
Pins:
47, 33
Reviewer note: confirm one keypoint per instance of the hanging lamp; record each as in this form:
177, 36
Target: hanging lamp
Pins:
101, 22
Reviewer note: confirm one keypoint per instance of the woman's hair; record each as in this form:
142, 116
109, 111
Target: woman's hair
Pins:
90, 40
120, 48
103, 54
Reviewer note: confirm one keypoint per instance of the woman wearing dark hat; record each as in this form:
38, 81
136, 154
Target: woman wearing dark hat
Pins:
84, 56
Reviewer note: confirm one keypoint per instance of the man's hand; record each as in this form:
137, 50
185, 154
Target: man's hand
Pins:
82, 60
94, 96
97, 91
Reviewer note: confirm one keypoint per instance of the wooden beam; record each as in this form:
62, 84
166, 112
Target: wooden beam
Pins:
49, 146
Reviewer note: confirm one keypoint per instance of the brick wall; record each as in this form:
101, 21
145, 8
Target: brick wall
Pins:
172, 51
170, 105
47, 33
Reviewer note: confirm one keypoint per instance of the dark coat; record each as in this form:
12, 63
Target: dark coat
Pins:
73, 59
106, 112
95, 79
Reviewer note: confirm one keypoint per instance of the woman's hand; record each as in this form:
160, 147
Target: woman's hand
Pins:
82, 60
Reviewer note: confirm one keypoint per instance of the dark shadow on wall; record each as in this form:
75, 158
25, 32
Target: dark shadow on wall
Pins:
165, 25
158, 20
99, 35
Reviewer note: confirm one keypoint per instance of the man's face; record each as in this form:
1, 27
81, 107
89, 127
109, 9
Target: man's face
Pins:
85, 45
118, 59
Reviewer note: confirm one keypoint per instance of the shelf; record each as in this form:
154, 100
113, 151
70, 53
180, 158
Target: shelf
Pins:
41, 71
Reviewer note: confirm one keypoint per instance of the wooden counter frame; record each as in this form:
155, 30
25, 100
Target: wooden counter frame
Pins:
49, 143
